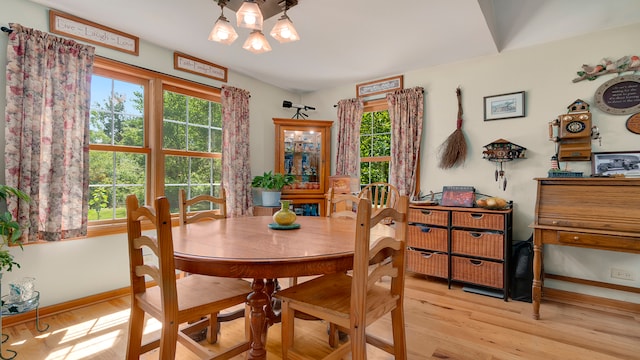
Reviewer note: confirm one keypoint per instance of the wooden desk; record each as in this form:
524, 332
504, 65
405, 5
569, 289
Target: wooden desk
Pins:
597, 213
245, 247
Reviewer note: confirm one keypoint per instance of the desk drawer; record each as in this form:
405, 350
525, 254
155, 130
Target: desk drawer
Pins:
485, 244
427, 216
428, 263
479, 272
428, 238
477, 220
600, 241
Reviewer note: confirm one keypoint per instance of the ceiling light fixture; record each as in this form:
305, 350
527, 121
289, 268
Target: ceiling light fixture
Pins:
251, 14
257, 43
283, 30
222, 31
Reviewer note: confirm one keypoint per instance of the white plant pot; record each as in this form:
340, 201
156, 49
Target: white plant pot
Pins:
271, 198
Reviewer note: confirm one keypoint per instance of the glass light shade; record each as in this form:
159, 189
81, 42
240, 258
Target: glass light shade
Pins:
249, 16
223, 32
283, 31
257, 43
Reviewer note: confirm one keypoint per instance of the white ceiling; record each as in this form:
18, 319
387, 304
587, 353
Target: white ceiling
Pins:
352, 41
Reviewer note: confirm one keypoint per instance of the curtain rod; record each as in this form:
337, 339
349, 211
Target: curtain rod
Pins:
6, 29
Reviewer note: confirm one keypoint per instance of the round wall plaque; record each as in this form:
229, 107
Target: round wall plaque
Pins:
633, 123
619, 96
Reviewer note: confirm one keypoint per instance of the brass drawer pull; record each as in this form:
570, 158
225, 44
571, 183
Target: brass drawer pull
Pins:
475, 235
475, 262
477, 216
426, 212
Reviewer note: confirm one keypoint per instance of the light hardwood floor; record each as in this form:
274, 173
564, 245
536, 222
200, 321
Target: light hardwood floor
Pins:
440, 323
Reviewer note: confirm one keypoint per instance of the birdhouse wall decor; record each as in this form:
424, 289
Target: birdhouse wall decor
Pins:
572, 132
501, 151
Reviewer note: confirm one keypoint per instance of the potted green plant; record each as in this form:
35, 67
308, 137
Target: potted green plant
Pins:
271, 184
9, 229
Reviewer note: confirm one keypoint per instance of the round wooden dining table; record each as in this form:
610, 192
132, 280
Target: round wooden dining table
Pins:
245, 247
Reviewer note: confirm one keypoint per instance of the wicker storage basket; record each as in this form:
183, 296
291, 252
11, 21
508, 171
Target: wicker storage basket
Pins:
428, 263
428, 216
485, 244
425, 237
476, 271
477, 220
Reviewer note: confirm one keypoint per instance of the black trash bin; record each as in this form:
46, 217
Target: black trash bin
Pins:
521, 270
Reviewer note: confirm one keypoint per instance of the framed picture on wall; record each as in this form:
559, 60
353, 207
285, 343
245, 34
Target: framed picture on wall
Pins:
504, 106
611, 163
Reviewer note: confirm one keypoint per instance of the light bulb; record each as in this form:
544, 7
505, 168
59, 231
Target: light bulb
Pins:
257, 45
223, 35
285, 33
250, 19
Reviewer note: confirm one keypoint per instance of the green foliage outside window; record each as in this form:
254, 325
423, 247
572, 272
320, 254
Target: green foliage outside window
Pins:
190, 124
375, 142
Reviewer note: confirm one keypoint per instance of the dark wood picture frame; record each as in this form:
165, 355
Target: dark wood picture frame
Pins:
504, 106
85, 30
380, 86
190, 64
615, 162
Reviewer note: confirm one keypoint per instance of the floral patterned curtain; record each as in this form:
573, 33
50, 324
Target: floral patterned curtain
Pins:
47, 132
406, 109
348, 152
236, 172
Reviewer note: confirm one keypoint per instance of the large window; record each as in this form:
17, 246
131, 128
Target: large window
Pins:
375, 143
192, 145
151, 135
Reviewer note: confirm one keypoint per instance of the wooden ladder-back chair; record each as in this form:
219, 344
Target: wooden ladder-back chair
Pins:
382, 195
341, 205
354, 302
172, 301
207, 213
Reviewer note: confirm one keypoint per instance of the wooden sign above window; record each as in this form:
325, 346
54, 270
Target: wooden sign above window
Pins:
77, 28
199, 67
379, 86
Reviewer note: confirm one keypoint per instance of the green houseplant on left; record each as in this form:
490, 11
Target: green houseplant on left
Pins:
9, 229
271, 184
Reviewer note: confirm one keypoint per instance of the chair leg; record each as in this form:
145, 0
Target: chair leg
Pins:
334, 335
399, 336
136, 326
213, 328
288, 318
358, 342
168, 339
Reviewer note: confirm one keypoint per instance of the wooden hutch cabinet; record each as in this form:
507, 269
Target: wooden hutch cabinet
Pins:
463, 245
303, 149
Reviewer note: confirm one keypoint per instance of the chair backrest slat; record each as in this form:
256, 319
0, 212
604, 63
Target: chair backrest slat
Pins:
341, 205
187, 217
382, 195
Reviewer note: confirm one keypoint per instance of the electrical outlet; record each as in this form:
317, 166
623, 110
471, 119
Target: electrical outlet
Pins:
622, 274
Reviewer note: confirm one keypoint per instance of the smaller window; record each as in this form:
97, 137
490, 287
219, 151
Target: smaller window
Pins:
375, 147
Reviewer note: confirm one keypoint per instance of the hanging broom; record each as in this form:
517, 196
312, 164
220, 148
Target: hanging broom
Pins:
454, 150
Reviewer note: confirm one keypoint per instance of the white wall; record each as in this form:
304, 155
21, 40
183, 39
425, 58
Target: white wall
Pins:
73, 269
545, 73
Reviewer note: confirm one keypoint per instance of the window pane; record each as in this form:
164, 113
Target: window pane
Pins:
371, 172
375, 141
381, 145
113, 176
189, 123
196, 175
117, 112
